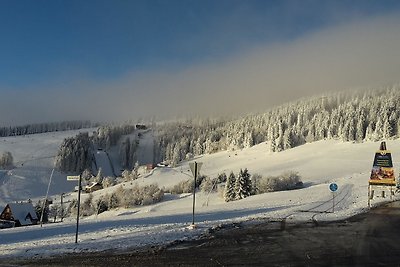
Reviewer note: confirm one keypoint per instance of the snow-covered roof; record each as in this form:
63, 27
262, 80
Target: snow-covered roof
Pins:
20, 212
92, 184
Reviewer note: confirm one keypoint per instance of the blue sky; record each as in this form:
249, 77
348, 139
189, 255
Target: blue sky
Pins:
51, 47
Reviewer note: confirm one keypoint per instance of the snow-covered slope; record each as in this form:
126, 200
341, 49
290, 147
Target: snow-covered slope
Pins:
33, 159
319, 164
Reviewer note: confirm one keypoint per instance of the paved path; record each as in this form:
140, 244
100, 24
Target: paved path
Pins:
370, 239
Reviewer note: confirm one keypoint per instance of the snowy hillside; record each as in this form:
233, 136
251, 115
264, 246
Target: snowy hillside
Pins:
33, 159
319, 163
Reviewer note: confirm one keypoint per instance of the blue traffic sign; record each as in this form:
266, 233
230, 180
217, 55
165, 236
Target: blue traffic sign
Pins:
333, 187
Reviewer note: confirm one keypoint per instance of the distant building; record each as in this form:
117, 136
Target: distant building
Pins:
141, 127
21, 214
94, 186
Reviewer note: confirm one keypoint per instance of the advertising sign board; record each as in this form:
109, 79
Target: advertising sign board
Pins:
382, 170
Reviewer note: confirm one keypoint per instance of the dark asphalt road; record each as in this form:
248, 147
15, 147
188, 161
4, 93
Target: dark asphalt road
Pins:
370, 239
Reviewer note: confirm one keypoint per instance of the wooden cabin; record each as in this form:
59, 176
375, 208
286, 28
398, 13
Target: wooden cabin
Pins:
94, 186
21, 214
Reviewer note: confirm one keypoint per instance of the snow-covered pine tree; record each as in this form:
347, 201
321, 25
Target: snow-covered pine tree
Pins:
99, 177
229, 192
135, 171
75, 154
6, 160
87, 175
387, 129
243, 184
126, 175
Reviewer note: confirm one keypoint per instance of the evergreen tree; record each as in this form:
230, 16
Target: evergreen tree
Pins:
39, 208
87, 175
229, 192
387, 129
243, 184
99, 177
6, 160
361, 131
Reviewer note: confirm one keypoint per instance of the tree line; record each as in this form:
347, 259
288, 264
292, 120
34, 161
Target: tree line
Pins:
76, 154
45, 127
360, 115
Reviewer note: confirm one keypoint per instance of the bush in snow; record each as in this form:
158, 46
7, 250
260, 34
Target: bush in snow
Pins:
112, 201
108, 181
54, 212
72, 207
136, 196
286, 181
101, 205
182, 187
128, 175
208, 184
221, 178
87, 206
255, 180
39, 210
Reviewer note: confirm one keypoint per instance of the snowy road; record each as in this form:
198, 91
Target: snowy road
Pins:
368, 239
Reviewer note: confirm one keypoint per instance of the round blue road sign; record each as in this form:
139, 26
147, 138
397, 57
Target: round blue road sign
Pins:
333, 187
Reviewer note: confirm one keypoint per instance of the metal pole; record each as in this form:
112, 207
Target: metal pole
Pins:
369, 195
45, 201
194, 189
79, 205
333, 202
62, 207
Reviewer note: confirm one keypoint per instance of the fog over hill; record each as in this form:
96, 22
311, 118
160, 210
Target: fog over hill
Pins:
357, 115
359, 53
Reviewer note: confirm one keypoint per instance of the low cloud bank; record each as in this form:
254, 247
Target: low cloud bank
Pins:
362, 53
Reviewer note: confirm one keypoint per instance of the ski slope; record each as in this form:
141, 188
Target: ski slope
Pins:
319, 164
33, 163
104, 162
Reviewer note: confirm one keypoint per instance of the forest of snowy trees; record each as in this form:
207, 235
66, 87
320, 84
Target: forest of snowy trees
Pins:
363, 115
349, 116
107, 136
76, 153
45, 127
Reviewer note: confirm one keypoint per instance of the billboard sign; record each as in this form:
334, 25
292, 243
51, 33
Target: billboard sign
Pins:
382, 170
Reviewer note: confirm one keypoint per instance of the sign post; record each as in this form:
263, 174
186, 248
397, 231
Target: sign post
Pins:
79, 178
195, 168
79, 204
333, 187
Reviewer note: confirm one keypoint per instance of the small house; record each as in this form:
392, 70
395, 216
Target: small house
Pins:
150, 167
21, 214
94, 186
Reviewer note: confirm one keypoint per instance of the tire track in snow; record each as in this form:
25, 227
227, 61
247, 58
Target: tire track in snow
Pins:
324, 206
